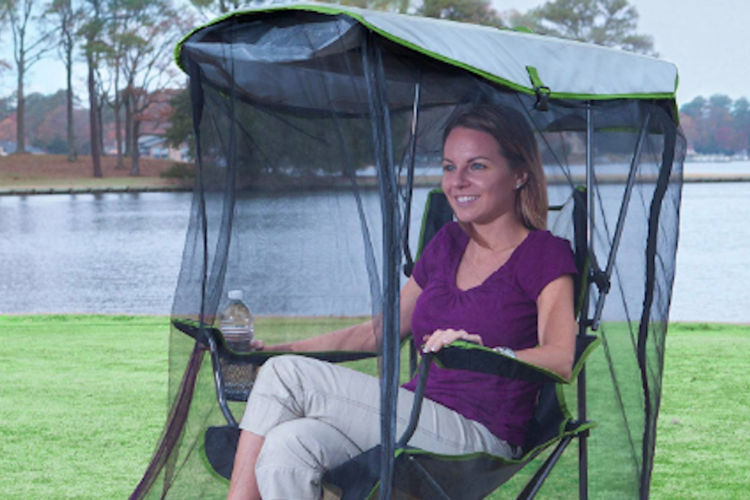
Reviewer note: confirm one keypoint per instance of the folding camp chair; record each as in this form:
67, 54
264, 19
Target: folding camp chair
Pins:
418, 473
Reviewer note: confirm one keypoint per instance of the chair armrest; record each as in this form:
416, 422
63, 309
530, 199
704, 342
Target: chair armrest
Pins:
193, 329
462, 355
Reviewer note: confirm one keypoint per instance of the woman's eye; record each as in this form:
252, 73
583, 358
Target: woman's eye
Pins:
478, 166
449, 168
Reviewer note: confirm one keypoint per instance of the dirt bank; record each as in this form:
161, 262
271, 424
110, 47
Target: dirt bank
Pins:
56, 172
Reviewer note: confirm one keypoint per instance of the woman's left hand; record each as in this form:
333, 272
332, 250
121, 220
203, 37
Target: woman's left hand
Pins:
442, 338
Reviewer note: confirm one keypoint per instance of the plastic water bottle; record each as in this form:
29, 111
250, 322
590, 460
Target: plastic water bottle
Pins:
236, 323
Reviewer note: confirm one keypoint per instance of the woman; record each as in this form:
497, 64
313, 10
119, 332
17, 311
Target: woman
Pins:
495, 278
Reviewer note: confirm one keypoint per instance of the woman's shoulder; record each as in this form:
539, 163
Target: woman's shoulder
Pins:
545, 258
450, 234
544, 240
544, 248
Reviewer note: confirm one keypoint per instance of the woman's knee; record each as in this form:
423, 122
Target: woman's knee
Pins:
295, 456
282, 369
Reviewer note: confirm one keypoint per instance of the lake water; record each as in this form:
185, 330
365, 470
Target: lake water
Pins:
121, 253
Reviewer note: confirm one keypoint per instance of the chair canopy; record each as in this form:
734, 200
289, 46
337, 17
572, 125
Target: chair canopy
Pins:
318, 136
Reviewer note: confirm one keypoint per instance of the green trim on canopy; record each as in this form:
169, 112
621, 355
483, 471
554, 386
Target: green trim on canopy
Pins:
572, 70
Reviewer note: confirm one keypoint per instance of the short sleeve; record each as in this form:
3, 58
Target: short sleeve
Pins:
545, 260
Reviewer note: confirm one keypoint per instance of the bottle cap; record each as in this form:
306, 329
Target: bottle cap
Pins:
235, 295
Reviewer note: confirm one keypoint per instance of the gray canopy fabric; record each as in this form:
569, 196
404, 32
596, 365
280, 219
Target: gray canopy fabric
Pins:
569, 69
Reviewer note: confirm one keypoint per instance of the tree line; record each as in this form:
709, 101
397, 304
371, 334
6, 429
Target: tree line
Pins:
126, 47
717, 125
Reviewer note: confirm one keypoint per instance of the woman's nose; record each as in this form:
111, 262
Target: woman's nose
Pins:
461, 178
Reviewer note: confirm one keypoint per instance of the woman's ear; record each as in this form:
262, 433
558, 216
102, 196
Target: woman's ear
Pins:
521, 180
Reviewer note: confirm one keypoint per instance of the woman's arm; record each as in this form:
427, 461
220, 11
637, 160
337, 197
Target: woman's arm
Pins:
557, 329
361, 337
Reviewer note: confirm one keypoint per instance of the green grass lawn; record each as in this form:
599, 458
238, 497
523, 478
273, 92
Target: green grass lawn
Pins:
83, 400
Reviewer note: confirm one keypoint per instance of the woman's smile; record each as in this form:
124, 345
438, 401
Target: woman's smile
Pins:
477, 180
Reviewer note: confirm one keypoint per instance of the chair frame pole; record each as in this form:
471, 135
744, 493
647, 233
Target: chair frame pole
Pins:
219, 380
536, 483
583, 463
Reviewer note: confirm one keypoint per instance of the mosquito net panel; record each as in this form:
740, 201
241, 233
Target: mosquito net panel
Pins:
317, 143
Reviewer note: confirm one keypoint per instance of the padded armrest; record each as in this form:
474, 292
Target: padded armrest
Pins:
462, 355
193, 329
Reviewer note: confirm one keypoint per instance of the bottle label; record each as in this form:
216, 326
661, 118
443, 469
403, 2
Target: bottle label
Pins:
236, 332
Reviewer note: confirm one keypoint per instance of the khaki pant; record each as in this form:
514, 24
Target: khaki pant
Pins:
315, 415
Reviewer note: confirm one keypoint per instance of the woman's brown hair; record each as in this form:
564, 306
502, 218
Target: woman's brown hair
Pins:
518, 146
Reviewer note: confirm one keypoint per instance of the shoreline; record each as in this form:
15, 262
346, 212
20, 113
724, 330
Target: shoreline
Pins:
427, 181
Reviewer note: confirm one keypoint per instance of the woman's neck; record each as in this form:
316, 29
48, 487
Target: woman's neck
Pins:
501, 234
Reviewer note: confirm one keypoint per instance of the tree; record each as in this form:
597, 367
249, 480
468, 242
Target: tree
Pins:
147, 65
611, 23
467, 11
213, 8
91, 32
695, 109
117, 26
717, 125
741, 116
181, 122
67, 23
29, 46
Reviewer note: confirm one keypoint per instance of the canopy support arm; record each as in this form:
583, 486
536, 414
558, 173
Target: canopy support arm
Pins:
621, 220
409, 265
379, 110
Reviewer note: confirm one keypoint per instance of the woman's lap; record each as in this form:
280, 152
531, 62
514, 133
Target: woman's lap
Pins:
315, 415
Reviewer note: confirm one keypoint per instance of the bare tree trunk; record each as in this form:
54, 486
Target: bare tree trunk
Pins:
117, 108
72, 155
21, 111
128, 122
94, 121
118, 130
100, 122
135, 167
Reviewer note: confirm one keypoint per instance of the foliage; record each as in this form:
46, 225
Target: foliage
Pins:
180, 171
612, 23
45, 121
181, 122
717, 125
214, 8
467, 11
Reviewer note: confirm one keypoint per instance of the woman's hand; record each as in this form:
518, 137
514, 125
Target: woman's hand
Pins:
442, 338
257, 345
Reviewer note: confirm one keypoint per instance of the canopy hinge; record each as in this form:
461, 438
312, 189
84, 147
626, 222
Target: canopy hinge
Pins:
601, 280
540, 89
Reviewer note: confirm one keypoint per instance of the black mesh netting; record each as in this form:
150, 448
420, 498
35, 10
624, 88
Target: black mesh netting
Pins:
318, 141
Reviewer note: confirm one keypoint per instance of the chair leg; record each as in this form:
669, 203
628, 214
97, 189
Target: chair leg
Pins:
219, 382
536, 482
583, 467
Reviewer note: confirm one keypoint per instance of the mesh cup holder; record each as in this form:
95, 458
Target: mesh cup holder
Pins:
238, 377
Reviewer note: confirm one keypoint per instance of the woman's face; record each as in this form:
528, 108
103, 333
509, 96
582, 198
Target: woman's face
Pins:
477, 180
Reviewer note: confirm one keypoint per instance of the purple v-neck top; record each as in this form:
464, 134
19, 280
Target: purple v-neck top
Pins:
502, 310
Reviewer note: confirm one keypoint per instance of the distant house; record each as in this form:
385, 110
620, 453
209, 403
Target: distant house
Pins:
9, 147
155, 146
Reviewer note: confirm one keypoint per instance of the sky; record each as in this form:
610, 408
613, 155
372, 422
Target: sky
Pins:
708, 41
